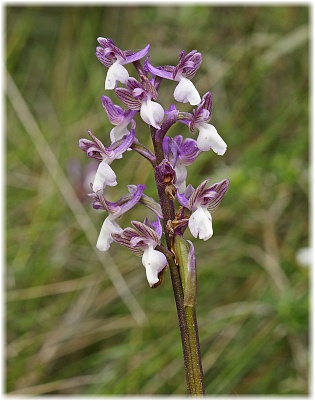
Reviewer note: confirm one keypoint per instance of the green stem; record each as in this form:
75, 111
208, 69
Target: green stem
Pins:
189, 335
186, 314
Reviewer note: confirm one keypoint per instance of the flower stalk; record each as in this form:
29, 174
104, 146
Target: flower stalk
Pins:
179, 206
186, 314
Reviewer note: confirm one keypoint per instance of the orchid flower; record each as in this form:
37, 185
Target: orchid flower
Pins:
202, 202
141, 96
95, 149
208, 135
114, 58
185, 70
142, 242
115, 210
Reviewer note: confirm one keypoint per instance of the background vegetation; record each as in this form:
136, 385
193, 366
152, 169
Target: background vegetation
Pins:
80, 322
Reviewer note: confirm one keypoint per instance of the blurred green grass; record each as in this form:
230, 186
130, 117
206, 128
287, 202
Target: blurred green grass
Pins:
74, 326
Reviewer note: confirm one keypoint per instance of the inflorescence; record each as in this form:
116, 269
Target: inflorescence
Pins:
169, 159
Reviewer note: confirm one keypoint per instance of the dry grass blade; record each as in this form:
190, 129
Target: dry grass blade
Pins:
59, 385
42, 146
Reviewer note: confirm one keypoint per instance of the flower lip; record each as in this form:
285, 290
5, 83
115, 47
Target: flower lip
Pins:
209, 138
200, 223
186, 91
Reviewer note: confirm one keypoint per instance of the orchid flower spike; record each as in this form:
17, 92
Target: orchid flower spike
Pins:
95, 149
180, 153
201, 203
208, 137
115, 210
185, 70
140, 96
114, 58
141, 241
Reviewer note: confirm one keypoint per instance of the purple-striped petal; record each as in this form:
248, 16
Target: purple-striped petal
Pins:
196, 197
188, 64
94, 149
115, 113
155, 225
147, 232
188, 151
127, 98
220, 188
125, 238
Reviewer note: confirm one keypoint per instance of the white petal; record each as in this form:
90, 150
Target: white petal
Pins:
119, 131
200, 224
209, 138
105, 239
116, 72
154, 262
104, 176
181, 174
152, 113
185, 92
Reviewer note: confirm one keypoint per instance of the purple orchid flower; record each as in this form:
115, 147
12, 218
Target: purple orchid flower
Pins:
180, 153
114, 58
202, 202
119, 117
95, 149
208, 137
140, 96
142, 242
115, 210
185, 70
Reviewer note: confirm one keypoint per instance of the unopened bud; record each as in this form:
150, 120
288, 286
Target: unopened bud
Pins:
165, 173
